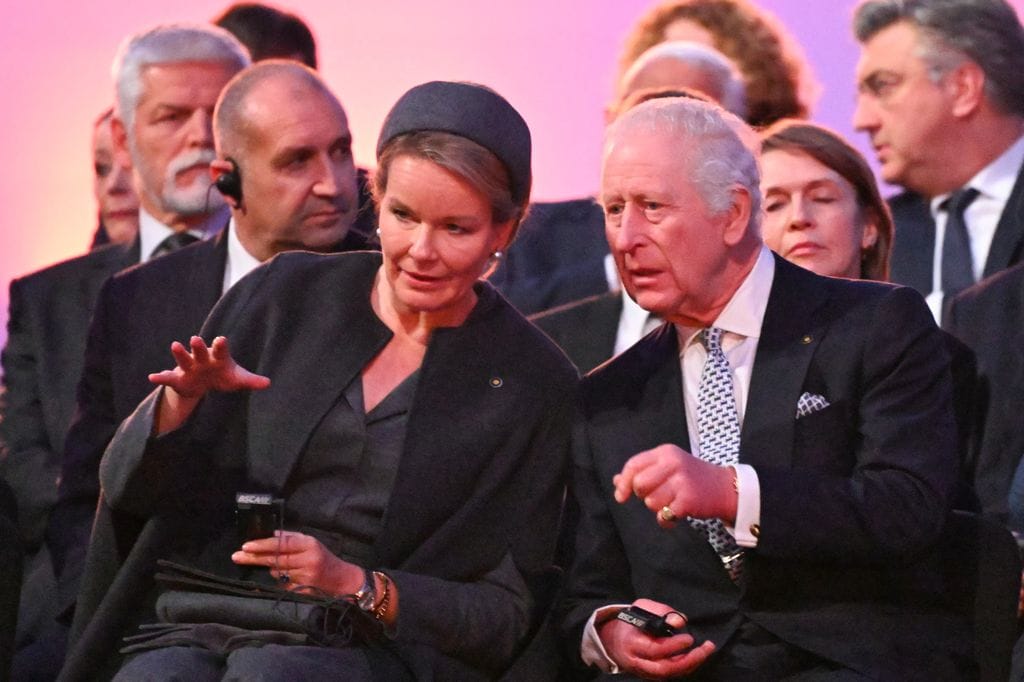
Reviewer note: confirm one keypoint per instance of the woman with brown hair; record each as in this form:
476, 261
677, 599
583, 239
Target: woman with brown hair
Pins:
822, 207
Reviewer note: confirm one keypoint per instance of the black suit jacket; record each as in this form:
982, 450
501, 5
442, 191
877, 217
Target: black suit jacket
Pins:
913, 249
852, 496
138, 314
989, 317
42, 361
557, 257
475, 485
585, 330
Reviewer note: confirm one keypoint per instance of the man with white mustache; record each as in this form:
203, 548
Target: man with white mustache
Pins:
167, 83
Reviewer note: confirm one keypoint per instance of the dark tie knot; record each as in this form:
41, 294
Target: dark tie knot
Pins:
958, 201
173, 242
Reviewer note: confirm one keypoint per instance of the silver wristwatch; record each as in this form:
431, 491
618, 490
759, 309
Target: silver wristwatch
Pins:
366, 596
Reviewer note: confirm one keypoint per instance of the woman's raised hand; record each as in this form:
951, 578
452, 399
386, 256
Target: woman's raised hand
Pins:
200, 369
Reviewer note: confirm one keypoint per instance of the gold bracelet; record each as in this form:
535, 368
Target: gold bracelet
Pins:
382, 606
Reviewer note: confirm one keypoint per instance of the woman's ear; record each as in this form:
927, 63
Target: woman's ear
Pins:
869, 237
503, 236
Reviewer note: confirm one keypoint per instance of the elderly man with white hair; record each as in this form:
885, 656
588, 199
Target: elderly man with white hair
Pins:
763, 473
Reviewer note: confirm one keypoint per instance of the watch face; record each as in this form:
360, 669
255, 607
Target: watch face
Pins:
367, 594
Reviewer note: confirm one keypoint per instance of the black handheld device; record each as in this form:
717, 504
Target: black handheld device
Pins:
258, 515
652, 624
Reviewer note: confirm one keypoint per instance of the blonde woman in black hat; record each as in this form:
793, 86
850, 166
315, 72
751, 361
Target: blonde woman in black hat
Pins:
413, 423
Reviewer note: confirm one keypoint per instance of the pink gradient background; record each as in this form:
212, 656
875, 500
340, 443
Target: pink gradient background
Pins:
553, 59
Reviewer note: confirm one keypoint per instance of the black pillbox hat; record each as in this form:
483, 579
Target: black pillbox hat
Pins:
471, 111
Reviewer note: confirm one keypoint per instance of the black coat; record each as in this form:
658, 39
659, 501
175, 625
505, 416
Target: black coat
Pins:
42, 361
139, 312
852, 496
585, 329
989, 318
480, 479
557, 257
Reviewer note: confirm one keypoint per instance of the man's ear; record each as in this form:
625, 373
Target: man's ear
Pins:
737, 216
966, 86
119, 135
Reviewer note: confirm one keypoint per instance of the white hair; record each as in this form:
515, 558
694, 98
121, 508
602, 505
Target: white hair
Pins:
169, 44
710, 62
714, 142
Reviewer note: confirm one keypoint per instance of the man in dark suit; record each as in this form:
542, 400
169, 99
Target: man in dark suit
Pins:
819, 417
162, 130
989, 318
941, 94
270, 114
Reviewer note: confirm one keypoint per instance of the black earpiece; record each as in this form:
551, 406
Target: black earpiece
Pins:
229, 183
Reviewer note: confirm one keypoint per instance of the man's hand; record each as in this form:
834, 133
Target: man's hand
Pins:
668, 476
638, 653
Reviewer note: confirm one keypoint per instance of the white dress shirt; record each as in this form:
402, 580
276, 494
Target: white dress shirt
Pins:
634, 323
239, 262
152, 231
994, 183
741, 320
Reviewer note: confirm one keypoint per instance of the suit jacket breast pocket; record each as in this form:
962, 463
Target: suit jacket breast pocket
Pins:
822, 439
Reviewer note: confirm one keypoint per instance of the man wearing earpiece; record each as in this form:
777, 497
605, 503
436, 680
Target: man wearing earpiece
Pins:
285, 168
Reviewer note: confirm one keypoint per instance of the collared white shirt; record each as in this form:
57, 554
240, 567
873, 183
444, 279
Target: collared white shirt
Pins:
634, 323
994, 183
239, 262
741, 320
152, 231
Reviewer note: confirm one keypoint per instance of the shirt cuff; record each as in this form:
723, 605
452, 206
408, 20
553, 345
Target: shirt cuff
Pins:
592, 649
748, 506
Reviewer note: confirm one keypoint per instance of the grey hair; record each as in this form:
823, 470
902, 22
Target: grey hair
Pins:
987, 32
712, 141
732, 92
169, 44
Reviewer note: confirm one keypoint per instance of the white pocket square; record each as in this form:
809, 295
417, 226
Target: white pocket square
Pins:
810, 403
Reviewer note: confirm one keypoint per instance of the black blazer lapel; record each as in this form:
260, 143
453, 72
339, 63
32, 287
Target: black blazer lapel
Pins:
789, 336
1008, 241
645, 380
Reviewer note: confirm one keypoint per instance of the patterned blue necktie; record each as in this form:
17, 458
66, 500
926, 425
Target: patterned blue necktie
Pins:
718, 432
